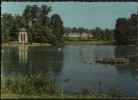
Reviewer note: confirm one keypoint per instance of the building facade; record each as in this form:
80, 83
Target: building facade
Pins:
79, 36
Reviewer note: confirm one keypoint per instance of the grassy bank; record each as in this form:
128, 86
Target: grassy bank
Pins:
45, 96
66, 96
41, 87
33, 44
65, 43
88, 43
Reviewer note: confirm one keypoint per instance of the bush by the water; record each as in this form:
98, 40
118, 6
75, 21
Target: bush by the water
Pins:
84, 91
30, 85
116, 93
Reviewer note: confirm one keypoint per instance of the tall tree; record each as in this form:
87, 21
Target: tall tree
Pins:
57, 26
98, 33
74, 30
27, 14
13, 32
81, 30
44, 19
34, 13
126, 31
6, 22
20, 22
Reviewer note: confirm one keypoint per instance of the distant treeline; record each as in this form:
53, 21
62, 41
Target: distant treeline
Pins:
44, 29
98, 33
40, 27
125, 32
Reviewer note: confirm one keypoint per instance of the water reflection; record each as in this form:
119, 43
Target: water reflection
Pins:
24, 60
111, 76
46, 60
68, 64
23, 54
129, 52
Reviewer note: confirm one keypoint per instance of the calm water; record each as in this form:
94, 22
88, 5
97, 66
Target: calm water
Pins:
69, 64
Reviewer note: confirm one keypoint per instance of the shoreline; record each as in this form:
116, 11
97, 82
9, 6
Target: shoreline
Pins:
89, 42
34, 44
66, 96
65, 43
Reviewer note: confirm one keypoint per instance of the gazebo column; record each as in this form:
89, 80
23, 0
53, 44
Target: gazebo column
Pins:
25, 38
19, 38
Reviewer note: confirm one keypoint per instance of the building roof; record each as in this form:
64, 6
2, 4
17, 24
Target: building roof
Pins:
77, 34
23, 30
74, 34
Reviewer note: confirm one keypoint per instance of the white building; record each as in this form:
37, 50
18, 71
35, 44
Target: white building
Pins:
23, 36
79, 36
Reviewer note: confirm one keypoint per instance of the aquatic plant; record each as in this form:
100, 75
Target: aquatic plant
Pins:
62, 88
83, 91
95, 88
116, 93
100, 86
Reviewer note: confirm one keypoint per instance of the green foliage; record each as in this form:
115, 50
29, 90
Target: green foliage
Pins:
20, 22
126, 31
57, 26
13, 32
42, 34
40, 27
76, 30
34, 13
6, 23
116, 93
30, 85
43, 18
84, 92
27, 14
100, 34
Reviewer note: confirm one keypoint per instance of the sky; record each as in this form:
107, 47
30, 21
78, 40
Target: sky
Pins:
80, 14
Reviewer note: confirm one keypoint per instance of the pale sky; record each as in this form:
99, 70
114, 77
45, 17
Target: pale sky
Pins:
80, 14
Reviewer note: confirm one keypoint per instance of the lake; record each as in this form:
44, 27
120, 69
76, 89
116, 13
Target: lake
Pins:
76, 63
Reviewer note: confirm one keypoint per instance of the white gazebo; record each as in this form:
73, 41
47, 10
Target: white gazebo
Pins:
23, 36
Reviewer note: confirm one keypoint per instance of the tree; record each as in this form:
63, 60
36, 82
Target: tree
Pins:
81, 30
13, 32
98, 33
40, 27
67, 30
34, 13
125, 32
44, 19
42, 34
108, 34
6, 22
74, 30
27, 14
57, 26
20, 22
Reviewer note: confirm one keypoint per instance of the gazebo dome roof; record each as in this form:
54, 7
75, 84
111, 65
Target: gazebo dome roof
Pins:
23, 30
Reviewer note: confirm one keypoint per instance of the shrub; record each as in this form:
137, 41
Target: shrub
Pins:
116, 93
84, 91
